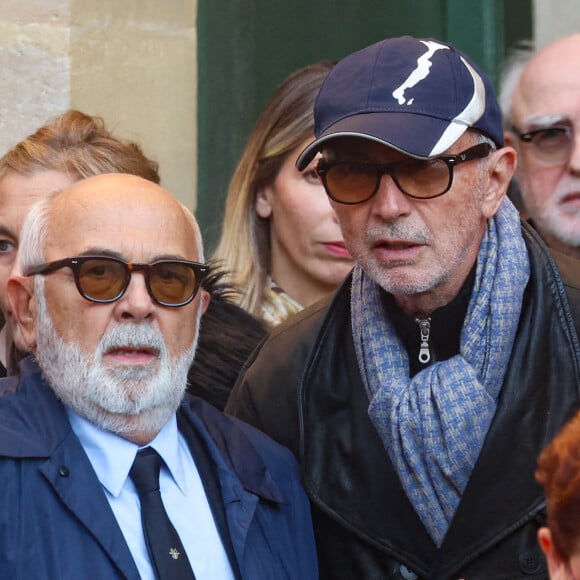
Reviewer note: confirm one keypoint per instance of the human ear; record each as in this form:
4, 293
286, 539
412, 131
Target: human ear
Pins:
263, 202
21, 298
502, 165
205, 300
553, 559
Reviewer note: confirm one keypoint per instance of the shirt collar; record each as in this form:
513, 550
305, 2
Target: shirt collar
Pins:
112, 456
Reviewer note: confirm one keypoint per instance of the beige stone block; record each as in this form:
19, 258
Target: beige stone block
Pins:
134, 63
40, 11
34, 66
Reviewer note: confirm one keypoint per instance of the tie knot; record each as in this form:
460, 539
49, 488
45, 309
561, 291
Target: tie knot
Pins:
145, 471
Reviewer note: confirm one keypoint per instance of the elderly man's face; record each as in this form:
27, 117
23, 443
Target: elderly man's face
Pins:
125, 347
548, 96
137, 227
416, 247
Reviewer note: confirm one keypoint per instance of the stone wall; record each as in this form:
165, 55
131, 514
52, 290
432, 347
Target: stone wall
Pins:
34, 65
133, 62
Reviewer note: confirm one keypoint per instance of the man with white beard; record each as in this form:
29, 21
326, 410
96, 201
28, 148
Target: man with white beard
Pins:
109, 302
540, 101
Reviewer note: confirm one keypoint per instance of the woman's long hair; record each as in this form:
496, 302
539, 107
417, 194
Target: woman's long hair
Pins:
285, 123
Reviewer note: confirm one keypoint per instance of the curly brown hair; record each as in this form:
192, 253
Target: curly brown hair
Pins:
559, 472
80, 146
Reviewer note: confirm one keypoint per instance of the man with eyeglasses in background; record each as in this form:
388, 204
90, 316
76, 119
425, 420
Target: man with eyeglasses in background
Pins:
540, 102
106, 470
418, 398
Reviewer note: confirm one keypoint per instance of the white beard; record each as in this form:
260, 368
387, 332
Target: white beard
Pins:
122, 400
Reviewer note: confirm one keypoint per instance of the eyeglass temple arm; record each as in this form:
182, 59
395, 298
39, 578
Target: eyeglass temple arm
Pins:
47, 268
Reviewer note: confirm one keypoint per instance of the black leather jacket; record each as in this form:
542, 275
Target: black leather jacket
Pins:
304, 389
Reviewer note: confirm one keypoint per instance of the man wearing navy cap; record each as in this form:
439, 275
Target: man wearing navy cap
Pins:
418, 398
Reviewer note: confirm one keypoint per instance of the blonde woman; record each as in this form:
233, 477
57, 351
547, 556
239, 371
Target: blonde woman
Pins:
280, 237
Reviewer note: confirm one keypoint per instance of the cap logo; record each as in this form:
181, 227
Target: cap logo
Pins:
420, 73
417, 96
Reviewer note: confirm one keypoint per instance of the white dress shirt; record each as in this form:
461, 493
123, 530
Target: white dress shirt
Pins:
181, 490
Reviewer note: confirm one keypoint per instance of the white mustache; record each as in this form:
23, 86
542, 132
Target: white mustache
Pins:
132, 336
565, 188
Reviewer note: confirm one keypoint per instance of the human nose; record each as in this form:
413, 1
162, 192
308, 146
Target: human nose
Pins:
390, 203
136, 304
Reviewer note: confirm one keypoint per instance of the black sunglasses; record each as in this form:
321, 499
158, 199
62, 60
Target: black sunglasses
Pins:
105, 279
351, 182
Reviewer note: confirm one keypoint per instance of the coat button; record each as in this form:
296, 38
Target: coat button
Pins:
530, 562
63, 471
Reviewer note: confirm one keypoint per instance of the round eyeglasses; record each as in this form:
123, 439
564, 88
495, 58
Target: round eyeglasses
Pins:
352, 182
105, 279
551, 145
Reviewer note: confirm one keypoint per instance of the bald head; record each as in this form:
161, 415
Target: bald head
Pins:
552, 69
128, 205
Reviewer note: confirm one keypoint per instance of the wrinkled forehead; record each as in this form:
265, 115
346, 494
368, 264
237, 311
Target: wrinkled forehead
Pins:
549, 85
135, 227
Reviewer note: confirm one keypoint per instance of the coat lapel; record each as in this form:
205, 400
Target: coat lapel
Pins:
243, 475
537, 399
71, 475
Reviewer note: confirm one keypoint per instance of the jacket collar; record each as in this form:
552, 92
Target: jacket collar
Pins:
231, 449
33, 422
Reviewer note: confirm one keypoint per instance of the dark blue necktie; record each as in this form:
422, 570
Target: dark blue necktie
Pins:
167, 554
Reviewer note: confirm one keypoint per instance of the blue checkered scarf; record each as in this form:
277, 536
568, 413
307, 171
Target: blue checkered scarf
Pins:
433, 426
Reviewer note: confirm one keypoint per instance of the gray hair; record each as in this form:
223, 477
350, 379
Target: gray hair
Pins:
34, 233
511, 72
483, 138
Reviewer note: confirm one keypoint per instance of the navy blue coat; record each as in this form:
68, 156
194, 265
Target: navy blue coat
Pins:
56, 522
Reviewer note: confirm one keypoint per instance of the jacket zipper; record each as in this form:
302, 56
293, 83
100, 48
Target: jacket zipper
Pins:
424, 332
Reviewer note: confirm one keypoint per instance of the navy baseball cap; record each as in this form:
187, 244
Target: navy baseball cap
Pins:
415, 95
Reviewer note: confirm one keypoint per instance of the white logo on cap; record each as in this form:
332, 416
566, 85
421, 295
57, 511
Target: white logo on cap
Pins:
420, 73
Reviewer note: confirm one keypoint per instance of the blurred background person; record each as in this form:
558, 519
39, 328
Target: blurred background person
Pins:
74, 146
540, 99
280, 237
559, 472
